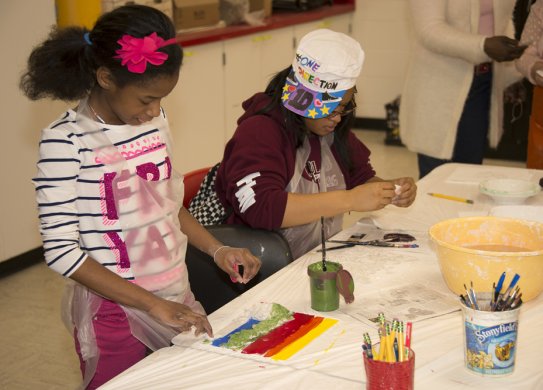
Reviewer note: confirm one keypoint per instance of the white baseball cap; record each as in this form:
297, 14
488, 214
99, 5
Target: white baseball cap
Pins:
326, 65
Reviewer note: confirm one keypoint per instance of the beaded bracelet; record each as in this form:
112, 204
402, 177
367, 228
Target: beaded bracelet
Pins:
217, 250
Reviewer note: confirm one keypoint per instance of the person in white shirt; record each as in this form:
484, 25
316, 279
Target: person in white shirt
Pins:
452, 99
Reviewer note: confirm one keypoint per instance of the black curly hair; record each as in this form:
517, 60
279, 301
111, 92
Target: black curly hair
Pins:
64, 66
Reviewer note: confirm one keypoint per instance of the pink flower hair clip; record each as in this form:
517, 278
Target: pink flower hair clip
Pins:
135, 53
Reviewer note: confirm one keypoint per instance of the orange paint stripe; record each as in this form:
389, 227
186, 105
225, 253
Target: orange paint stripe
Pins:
295, 336
299, 344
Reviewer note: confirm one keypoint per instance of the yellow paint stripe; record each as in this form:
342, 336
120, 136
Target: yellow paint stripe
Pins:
299, 344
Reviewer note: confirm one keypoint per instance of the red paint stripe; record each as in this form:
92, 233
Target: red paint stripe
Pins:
277, 335
302, 331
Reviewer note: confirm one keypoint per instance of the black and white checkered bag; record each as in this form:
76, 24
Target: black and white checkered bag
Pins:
206, 206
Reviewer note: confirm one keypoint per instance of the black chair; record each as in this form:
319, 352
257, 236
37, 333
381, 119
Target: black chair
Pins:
212, 286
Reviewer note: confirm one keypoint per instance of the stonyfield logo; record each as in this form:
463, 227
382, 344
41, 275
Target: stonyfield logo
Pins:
496, 331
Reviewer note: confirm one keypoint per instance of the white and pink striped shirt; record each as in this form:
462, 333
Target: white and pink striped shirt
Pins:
77, 213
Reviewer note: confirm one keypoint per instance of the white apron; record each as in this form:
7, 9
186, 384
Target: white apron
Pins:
304, 238
151, 243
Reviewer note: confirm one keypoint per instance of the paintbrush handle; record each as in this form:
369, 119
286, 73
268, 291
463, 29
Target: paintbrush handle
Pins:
337, 247
379, 243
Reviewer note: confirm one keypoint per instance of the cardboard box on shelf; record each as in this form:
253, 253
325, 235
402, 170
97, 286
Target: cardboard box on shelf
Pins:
162, 5
257, 5
195, 13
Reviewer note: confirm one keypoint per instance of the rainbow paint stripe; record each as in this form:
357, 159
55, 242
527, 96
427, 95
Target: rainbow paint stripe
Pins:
281, 342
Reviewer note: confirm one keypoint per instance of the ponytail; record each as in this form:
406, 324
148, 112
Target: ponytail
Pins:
62, 67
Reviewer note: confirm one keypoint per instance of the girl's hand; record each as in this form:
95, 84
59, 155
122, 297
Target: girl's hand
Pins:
229, 259
406, 192
180, 317
372, 195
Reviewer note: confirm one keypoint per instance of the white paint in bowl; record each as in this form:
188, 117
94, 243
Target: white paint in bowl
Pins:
509, 191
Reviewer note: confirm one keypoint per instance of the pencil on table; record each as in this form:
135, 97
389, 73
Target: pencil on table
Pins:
450, 197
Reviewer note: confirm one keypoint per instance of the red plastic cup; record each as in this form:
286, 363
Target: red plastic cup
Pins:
390, 376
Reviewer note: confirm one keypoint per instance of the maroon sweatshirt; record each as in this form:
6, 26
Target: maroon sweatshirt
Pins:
262, 144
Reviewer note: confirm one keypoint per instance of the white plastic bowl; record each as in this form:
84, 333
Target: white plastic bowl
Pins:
509, 191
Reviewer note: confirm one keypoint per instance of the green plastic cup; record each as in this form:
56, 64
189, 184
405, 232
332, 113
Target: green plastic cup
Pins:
324, 292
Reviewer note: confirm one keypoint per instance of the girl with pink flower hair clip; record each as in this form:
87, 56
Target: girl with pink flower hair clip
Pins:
110, 202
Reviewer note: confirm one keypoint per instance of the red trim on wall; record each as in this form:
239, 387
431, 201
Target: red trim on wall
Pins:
277, 20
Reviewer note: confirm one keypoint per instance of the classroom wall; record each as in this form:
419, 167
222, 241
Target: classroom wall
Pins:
382, 28
379, 25
23, 23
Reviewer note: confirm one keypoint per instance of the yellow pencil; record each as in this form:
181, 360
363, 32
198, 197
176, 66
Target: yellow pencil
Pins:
400, 343
381, 355
393, 330
450, 197
390, 357
391, 339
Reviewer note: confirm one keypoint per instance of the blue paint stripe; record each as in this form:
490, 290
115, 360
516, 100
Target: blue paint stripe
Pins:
223, 340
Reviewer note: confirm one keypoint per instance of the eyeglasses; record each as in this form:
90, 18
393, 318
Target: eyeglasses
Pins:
349, 108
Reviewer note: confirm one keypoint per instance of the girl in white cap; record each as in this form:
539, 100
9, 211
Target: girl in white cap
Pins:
293, 157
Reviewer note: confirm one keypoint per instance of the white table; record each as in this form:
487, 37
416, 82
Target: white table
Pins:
334, 360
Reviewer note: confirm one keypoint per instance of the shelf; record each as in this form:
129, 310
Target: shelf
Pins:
277, 20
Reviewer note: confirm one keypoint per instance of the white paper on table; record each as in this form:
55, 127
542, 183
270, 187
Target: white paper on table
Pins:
410, 302
469, 175
424, 213
406, 219
377, 291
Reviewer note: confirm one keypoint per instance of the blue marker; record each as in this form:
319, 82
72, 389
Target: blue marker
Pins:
512, 284
499, 285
